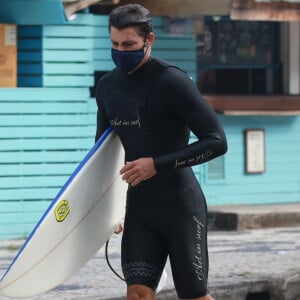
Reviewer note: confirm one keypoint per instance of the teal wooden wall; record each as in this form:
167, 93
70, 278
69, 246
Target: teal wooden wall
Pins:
280, 183
44, 134
57, 56
47, 124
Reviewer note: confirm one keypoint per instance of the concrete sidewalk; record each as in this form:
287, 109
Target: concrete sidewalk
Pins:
238, 217
247, 264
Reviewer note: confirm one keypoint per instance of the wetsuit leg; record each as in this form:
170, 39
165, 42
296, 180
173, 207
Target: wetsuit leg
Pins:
143, 253
188, 248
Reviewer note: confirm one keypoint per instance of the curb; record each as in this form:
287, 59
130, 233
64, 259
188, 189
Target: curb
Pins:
236, 221
239, 217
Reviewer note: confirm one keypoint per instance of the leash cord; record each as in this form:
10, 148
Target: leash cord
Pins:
108, 262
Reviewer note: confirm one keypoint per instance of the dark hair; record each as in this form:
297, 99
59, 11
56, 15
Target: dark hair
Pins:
132, 15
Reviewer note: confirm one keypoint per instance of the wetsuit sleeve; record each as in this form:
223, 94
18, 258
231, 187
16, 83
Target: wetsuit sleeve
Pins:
187, 104
102, 120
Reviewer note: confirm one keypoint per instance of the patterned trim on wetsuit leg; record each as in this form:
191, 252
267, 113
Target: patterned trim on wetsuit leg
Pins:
140, 269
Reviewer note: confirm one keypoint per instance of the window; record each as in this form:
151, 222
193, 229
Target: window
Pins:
239, 57
215, 170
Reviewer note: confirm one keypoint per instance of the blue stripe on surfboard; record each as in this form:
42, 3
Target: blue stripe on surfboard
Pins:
63, 189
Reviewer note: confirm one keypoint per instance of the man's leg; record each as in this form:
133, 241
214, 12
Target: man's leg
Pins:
188, 248
140, 292
143, 258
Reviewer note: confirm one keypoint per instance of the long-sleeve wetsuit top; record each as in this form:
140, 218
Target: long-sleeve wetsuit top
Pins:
153, 111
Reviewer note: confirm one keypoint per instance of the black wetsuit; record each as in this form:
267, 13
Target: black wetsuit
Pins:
153, 111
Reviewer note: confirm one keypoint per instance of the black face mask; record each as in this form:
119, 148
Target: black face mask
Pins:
127, 60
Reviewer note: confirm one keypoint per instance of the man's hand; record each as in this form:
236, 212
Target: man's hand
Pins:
138, 170
119, 228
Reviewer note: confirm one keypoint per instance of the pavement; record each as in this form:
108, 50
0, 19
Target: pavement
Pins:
248, 262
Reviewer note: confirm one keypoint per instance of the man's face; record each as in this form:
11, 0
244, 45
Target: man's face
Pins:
126, 39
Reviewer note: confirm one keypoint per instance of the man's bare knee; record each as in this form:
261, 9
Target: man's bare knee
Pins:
139, 292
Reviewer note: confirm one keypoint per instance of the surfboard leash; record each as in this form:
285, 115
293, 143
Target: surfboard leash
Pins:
108, 262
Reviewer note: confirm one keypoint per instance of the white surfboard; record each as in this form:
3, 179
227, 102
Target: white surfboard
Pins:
76, 225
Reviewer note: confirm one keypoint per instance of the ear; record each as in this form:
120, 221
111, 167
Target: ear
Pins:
150, 39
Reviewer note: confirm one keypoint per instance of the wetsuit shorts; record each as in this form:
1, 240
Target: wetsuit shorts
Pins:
177, 231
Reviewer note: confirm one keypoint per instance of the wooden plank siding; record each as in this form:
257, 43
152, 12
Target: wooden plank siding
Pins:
48, 123
281, 181
44, 134
57, 55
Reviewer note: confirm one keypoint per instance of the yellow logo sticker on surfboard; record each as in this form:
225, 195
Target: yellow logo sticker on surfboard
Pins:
62, 210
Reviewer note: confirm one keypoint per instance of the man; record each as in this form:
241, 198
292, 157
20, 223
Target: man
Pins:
152, 106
